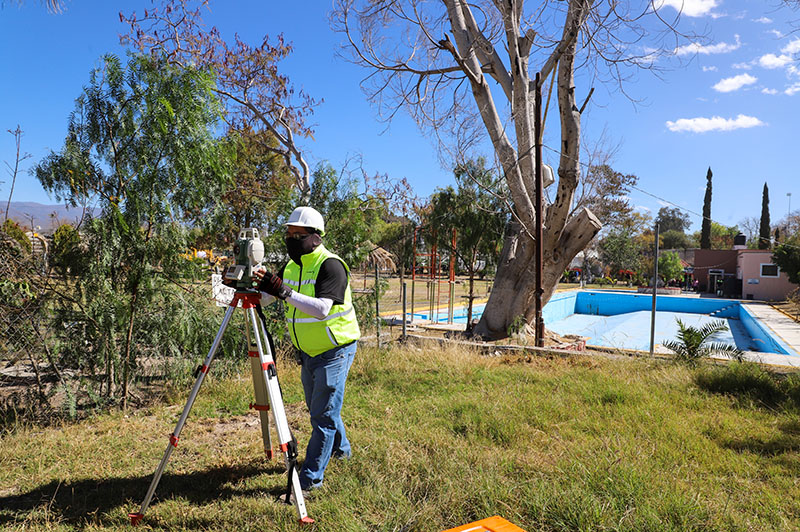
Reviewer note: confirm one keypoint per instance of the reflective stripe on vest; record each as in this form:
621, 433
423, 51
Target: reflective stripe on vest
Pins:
308, 333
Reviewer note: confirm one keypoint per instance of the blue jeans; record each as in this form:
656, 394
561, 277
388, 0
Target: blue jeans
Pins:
323, 378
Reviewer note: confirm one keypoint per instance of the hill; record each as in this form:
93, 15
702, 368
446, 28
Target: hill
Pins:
44, 217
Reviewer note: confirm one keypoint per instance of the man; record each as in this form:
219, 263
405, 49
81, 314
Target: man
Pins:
323, 327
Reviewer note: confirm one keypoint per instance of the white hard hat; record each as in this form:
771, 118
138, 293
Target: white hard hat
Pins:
307, 217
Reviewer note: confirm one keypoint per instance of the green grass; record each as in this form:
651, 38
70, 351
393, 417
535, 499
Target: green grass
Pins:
441, 438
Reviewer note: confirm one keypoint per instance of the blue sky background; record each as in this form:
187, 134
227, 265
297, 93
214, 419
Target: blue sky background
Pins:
729, 103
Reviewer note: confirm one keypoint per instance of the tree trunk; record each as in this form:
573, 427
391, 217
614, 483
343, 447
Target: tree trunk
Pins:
512, 295
126, 367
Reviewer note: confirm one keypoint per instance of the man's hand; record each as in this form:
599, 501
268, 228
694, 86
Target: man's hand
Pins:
273, 285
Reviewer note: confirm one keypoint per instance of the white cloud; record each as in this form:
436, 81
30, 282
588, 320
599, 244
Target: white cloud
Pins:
734, 83
642, 208
715, 123
769, 91
706, 49
763, 20
791, 48
792, 90
776, 33
742, 66
691, 8
772, 61
709, 69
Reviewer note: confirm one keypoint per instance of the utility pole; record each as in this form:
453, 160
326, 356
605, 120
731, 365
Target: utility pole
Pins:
655, 289
537, 133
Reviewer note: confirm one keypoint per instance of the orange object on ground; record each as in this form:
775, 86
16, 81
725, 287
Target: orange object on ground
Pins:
491, 524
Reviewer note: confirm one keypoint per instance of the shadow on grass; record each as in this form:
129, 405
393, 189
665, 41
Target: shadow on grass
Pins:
83, 501
788, 441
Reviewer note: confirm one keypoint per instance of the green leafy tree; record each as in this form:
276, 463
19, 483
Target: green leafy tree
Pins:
620, 251
672, 219
764, 231
705, 231
693, 343
669, 265
353, 221
477, 216
141, 142
787, 257
673, 239
720, 236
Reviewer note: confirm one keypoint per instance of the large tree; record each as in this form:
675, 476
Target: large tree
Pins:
672, 219
141, 144
705, 230
764, 231
447, 63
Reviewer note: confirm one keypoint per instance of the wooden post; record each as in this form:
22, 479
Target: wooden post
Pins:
377, 307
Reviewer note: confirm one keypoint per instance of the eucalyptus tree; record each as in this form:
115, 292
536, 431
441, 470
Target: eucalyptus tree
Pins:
466, 70
141, 143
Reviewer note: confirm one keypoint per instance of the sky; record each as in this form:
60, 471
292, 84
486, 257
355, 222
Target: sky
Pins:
728, 101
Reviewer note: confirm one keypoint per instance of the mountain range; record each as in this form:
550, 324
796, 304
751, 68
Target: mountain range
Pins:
43, 218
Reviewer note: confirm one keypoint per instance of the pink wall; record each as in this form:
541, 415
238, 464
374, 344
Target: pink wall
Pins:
749, 264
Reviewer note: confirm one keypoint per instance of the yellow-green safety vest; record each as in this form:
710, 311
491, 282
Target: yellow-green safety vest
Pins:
313, 335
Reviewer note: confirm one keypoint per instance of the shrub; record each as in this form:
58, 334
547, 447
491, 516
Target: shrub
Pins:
12, 229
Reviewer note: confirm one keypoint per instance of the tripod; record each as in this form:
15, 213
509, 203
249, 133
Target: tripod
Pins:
268, 398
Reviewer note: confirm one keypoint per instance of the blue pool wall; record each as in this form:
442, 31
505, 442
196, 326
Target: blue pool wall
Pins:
563, 304
760, 335
613, 303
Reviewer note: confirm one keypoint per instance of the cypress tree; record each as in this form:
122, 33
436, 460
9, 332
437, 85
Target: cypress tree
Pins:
705, 230
763, 232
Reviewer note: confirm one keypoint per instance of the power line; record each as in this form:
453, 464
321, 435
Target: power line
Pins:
680, 207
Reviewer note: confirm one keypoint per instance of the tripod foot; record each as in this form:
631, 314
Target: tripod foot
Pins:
270, 454
306, 521
135, 518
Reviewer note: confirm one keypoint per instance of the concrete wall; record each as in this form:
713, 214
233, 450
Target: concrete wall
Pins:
718, 259
754, 285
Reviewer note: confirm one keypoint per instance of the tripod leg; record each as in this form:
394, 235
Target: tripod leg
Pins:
288, 445
173, 438
260, 388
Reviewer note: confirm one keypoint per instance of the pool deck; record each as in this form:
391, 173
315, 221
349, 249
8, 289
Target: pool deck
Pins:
784, 327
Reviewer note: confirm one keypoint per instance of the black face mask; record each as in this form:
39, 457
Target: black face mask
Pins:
296, 248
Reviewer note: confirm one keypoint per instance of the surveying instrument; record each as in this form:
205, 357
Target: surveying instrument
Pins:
249, 251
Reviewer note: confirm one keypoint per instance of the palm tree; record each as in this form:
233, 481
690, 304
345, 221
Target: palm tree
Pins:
692, 343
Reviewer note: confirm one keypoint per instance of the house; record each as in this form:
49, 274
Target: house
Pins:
713, 267
761, 278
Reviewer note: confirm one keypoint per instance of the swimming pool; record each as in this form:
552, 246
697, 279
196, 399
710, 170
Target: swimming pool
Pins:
622, 319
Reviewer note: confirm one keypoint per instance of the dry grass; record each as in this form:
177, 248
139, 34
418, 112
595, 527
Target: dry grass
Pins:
441, 437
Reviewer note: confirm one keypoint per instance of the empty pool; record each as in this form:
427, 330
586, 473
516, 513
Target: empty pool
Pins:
622, 319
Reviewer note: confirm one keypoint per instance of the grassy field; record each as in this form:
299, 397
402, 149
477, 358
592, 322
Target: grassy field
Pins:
441, 438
